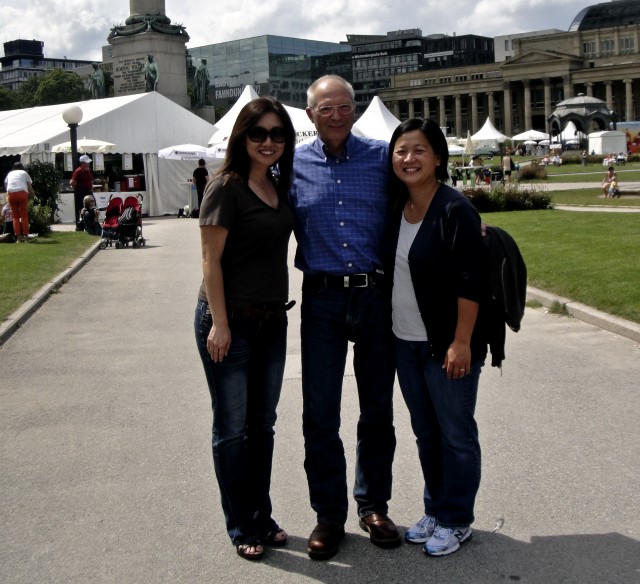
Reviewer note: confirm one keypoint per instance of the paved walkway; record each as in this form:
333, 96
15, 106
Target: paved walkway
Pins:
106, 472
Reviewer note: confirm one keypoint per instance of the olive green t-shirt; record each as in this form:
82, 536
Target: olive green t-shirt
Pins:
254, 260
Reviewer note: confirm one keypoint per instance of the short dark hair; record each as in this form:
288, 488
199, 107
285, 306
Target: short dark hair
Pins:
17, 166
201, 162
237, 159
437, 141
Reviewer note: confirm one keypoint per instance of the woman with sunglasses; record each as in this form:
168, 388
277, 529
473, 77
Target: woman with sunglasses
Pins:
241, 320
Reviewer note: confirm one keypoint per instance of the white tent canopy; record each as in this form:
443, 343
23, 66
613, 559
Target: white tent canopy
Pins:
534, 135
609, 141
138, 124
488, 135
377, 121
222, 128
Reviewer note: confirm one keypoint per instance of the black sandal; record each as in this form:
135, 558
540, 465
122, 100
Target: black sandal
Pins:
271, 538
244, 551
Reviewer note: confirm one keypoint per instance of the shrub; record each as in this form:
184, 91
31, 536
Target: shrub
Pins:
513, 197
46, 183
532, 171
39, 218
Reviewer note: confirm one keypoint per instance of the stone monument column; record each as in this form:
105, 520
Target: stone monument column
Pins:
149, 53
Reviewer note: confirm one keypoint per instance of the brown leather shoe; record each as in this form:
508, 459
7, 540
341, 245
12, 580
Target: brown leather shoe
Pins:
324, 541
382, 531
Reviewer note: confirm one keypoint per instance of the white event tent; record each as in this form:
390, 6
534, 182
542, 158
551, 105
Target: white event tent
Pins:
137, 124
377, 121
488, 135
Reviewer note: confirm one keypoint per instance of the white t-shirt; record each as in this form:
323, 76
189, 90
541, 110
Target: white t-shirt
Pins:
406, 320
17, 180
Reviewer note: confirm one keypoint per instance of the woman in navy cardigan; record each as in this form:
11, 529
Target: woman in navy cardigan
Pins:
434, 250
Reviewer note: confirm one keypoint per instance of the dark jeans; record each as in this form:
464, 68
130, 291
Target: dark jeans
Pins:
330, 319
442, 418
245, 389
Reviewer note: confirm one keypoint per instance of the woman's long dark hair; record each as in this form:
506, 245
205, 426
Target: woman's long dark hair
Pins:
398, 193
237, 159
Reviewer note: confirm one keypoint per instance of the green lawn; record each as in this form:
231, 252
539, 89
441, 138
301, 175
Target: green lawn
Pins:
591, 197
26, 267
589, 257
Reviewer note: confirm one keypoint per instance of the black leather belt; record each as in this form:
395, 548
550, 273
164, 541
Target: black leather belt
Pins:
340, 282
263, 312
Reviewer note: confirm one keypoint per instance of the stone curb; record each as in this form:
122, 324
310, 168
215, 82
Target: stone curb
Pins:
20, 316
608, 322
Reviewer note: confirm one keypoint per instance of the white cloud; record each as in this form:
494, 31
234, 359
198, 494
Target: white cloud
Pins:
79, 28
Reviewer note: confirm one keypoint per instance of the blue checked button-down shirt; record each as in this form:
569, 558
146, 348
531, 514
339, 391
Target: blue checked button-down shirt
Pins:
339, 206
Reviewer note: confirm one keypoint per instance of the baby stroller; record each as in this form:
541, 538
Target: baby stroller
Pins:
130, 223
110, 223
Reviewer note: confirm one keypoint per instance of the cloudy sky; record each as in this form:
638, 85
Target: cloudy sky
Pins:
79, 28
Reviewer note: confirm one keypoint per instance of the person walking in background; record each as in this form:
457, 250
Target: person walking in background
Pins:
82, 183
609, 178
434, 250
241, 319
507, 164
19, 187
200, 179
339, 202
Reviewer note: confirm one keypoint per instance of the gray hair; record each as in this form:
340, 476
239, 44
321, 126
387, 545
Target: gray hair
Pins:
311, 92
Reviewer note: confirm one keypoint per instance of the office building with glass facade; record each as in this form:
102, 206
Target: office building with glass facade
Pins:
377, 59
279, 66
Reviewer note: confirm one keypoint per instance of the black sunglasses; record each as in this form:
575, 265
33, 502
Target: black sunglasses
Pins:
260, 134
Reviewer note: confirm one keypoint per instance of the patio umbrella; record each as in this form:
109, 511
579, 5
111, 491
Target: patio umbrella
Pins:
85, 146
184, 152
455, 150
529, 142
218, 150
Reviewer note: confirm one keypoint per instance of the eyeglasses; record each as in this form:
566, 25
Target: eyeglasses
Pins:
260, 134
327, 110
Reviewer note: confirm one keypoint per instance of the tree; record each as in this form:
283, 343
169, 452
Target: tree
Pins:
27, 90
8, 99
59, 86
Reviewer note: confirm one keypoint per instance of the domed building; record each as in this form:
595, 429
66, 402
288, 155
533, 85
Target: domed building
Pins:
598, 56
607, 14
588, 114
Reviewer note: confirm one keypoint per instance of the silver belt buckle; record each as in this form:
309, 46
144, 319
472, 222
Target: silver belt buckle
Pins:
366, 281
345, 281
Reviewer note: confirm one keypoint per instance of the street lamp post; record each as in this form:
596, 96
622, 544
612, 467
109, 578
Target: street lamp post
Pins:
72, 117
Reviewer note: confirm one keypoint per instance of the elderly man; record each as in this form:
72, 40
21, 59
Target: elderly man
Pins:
339, 202
82, 183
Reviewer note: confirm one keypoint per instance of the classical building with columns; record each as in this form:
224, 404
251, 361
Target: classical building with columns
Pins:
521, 92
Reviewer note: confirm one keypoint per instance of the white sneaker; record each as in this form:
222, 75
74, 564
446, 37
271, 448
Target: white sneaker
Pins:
422, 530
446, 540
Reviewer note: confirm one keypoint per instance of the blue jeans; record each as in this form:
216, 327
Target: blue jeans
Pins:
330, 319
245, 389
442, 418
